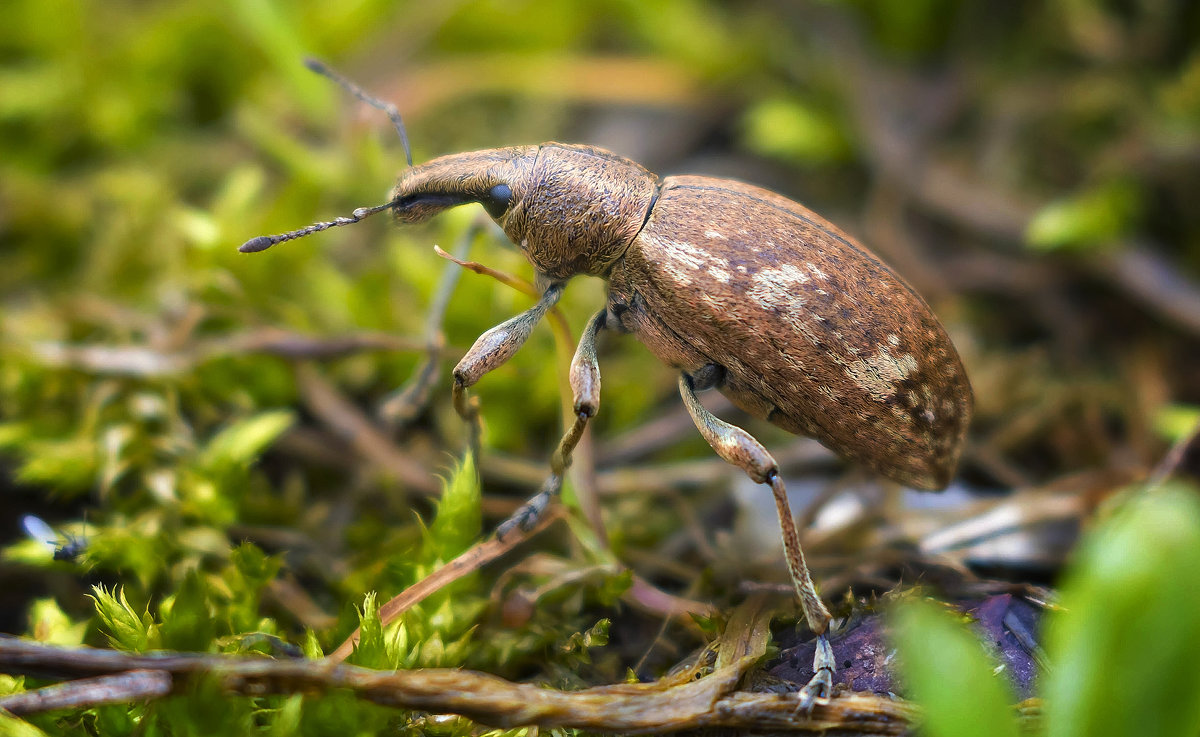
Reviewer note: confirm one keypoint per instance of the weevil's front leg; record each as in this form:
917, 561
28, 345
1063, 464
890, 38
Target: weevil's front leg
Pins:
739, 447
490, 351
585, 386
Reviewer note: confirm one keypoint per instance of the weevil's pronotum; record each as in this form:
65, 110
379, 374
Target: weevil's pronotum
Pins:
739, 288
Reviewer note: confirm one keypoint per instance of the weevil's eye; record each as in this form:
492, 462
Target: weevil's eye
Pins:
496, 200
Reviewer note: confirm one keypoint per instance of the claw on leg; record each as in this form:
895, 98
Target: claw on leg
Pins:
820, 687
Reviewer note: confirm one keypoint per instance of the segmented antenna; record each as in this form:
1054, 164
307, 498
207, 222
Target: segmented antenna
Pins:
392, 112
263, 242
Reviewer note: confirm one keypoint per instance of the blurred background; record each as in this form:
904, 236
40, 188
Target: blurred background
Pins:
210, 420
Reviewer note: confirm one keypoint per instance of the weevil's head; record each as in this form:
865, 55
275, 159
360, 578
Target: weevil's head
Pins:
571, 209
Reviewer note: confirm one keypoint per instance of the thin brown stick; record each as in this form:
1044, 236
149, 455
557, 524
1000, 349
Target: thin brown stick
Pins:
406, 403
1174, 459
133, 685
150, 362
472, 560
649, 598
348, 421
690, 699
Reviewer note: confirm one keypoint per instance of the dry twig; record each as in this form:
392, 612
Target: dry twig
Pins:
472, 560
704, 695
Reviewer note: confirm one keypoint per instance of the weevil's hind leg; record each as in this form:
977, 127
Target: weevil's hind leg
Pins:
491, 350
739, 447
821, 684
585, 385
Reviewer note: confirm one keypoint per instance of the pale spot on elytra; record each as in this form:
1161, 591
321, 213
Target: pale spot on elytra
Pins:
776, 288
879, 374
714, 234
719, 273
815, 271
894, 339
676, 254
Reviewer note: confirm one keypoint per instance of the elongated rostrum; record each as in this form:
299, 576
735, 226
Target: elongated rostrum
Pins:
737, 288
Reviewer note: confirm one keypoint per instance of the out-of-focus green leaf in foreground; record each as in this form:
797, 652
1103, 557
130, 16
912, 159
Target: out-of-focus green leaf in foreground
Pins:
15, 727
1176, 421
1124, 650
947, 671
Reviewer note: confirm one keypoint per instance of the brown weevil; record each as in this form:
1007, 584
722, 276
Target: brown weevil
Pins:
738, 288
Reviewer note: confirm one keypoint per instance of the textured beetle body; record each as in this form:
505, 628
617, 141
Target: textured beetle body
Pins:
736, 287
814, 333
749, 291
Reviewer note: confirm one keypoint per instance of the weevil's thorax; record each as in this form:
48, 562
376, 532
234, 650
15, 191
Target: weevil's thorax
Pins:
580, 211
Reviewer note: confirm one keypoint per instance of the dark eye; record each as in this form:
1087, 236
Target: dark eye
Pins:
496, 200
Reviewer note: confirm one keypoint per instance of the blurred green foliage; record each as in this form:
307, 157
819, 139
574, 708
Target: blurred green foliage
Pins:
1121, 650
946, 670
141, 143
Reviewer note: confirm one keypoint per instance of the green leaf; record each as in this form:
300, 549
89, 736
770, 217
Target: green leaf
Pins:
287, 718
125, 628
117, 719
793, 130
1176, 421
251, 571
947, 672
1124, 648
239, 444
311, 647
371, 650
50, 624
206, 709
188, 624
14, 434
459, 519
1086, 220
68, 465
12, 726
11, 684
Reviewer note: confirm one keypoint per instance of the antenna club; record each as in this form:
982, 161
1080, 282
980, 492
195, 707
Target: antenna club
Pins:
254, 245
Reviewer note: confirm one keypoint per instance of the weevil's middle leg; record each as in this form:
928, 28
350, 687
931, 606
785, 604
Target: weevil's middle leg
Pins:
491, 350
739, 447
585, 385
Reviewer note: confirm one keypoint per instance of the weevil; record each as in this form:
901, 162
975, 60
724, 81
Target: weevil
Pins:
738, 288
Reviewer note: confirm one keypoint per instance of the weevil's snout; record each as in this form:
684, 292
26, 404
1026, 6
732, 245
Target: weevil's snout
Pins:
495, 178
417, 206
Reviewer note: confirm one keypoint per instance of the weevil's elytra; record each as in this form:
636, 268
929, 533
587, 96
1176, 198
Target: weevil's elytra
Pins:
738, 288
818, 336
